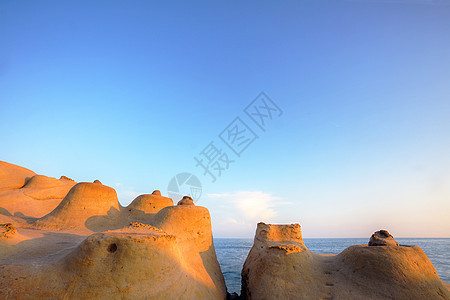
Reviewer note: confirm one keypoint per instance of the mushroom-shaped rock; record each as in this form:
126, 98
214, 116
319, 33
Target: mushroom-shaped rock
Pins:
141, 261
96, 181
145, 206
382, 238
186, 201
156, 192
279, 266
86, 204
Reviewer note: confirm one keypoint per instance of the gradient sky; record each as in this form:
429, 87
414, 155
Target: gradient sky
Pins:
129, 92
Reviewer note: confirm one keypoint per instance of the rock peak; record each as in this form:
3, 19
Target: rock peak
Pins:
382, 238
186, 201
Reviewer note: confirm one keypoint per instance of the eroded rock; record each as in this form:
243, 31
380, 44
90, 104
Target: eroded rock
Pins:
186, 201
90, 247
7, 231
279, 266
382, 238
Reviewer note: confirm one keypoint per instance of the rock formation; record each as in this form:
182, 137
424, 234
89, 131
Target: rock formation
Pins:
13, 177
87, 205
186, 200
280, 266
25, 194
90, 247
62, 240
382, 238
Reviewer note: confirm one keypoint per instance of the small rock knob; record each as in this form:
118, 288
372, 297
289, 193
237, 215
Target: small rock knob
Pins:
186, 201
382, 238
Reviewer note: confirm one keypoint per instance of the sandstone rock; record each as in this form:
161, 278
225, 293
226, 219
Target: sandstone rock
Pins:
150, 203
12, 176
382, 238
33, 196
89, 247
279, 266
145, 206
86, 206
173, 258
186, 201
7, 231
66, 178
97, 181
156, 192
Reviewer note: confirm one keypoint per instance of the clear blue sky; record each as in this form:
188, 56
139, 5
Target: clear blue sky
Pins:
129, 92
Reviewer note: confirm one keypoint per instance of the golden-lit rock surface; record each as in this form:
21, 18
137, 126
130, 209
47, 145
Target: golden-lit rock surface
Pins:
13, 177
23, 193
279, 266
90, 247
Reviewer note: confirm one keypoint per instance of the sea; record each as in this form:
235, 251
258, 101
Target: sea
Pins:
232, 253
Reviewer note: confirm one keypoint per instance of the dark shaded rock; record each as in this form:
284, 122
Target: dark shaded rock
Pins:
186, 201
7, 230
382, 238
66, 178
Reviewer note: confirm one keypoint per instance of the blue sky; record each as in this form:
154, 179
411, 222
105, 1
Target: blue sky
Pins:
129, 93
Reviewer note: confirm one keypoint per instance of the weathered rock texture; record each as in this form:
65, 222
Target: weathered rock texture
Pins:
90, 247
382, 238
25, 194
279, 266
186, 201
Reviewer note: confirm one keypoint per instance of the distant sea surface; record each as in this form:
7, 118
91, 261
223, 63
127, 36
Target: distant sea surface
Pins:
232, 253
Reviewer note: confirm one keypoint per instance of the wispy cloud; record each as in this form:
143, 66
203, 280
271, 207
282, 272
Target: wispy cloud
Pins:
126, 194
253, 206
240, 211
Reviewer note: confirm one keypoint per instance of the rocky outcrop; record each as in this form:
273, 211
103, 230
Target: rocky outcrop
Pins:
382, 238
149, 203
13, 177
89, 247
144, 207
7, 231
25, 194
279, 266
186, 200
87, 205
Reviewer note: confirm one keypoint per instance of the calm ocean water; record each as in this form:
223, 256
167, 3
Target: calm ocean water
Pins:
232, 253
